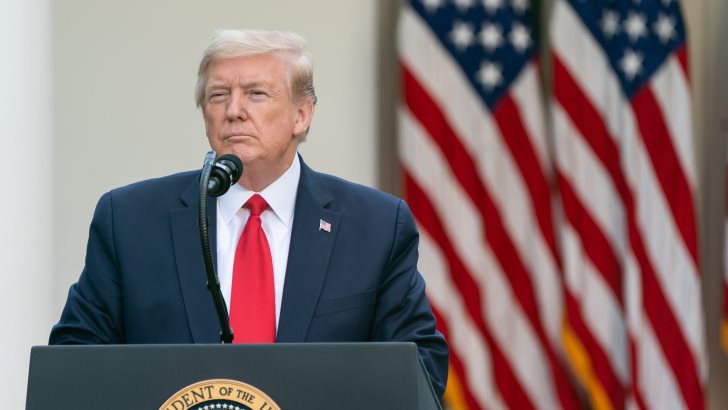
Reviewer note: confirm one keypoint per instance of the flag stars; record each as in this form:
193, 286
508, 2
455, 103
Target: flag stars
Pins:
610, 23
432, 5
520, 37
635, 26
520, 6
631, 64
462, 35
491, 36
490, 75
665, 28
463, 5
492, 5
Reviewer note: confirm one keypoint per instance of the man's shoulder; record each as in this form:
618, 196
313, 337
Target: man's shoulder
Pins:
162, 191
344, 189
365, 209
177, 181
360, 202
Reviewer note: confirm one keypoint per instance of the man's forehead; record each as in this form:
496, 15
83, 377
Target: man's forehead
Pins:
255, 69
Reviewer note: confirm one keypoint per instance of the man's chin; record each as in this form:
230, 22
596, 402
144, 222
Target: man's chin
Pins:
241, 150
248, 158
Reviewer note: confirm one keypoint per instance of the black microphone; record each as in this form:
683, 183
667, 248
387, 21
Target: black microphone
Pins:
217, 176
226, 171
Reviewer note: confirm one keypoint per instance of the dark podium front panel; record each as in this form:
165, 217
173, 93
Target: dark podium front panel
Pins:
296, 376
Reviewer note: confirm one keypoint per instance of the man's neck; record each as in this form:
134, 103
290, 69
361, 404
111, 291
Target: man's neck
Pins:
257, 179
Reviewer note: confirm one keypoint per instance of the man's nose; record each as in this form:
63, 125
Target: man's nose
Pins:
236, 108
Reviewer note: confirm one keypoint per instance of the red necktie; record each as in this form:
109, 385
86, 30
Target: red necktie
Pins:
252, 300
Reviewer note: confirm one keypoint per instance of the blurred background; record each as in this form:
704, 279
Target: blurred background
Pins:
99, 94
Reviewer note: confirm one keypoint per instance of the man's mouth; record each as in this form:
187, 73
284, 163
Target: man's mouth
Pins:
235, 136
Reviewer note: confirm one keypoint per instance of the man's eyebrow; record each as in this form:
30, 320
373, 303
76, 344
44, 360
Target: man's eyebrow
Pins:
256, 83
268, 86
216, 84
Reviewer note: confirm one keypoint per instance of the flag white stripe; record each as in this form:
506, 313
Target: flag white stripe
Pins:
673, 265
592, 184
471, 120
597, 303
656, 381
463, 336
633, 295
672, 91
589, 68
664, 245
463, 225
532, 116
674, 268
532, 247
423, 54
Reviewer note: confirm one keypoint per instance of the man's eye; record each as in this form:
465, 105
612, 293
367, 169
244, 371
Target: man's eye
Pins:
257, 93
217, 96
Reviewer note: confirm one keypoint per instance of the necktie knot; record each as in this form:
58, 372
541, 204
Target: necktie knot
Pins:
256, 204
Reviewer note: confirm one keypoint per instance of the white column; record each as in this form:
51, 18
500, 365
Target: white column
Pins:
26, 205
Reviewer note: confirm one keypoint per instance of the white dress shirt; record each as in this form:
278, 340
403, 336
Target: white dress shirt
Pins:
277, 223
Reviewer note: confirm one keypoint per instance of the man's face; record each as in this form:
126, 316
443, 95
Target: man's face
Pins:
249, 111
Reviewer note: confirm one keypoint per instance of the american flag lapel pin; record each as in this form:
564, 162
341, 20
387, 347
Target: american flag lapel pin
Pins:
324, 226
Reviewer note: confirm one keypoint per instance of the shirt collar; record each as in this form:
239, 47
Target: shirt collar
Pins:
280, 195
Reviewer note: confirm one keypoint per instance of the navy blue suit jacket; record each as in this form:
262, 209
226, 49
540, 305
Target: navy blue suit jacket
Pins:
144, 279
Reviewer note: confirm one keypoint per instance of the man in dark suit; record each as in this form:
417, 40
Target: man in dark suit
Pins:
338, 261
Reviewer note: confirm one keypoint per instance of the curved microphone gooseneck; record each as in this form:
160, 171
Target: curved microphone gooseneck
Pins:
216, 178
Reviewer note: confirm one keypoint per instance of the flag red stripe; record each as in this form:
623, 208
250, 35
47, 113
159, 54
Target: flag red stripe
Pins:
462, 165
682, 56
592, 128
464, 169
679, 197
455, 362
666, 164
593, 241
639, 401
590, 124
428, 220
508, 118
600, 363
669, 336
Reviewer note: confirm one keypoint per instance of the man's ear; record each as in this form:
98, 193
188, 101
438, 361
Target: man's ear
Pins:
304, 114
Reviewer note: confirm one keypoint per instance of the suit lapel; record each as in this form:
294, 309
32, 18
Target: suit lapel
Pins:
204, 326
308, 257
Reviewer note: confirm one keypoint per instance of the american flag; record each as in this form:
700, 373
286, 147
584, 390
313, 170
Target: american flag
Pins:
477, 172
599, 293
626, 175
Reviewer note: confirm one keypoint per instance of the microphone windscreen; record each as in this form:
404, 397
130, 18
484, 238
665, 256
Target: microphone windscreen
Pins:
235, 165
